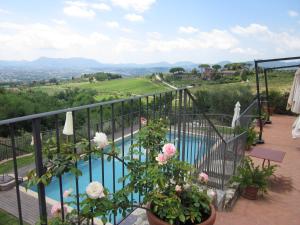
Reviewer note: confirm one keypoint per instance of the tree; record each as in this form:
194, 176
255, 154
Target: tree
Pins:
216, 67
177, 70
194, 71
203, 66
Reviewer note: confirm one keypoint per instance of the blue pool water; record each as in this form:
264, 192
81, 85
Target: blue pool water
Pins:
193, 144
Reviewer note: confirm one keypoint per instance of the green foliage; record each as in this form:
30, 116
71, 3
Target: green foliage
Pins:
177, 70
102, 76
251, 137
194, 71
249, 175
204, 66
216, 67
223, 100
157, 183
56, 164
153, 136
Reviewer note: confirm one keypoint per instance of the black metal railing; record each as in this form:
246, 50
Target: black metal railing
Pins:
210, 146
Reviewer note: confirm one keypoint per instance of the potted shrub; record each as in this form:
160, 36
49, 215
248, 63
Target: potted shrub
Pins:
252, 178
169, 186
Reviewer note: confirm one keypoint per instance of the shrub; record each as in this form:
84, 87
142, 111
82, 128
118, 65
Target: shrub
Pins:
223, 100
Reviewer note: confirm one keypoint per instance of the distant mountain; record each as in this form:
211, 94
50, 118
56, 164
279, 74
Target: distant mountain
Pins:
65, 68
64, 63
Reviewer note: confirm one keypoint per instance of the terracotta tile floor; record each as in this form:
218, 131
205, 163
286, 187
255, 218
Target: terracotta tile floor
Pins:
281, 206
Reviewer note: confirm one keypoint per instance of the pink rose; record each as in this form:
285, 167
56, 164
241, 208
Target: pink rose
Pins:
56, 209
169, 150
67, 193
161, 159
178, 188
203, 177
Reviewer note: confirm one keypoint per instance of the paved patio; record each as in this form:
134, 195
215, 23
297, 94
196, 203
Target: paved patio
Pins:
282, 203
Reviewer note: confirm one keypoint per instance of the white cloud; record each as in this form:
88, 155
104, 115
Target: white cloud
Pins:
59, 22
34, 40
188, 29
84, 10
245, 51
100, 6
293, 13
139, 6
215, 39
76, 11
154, 35
3, 11
282, 40
132, 17
112, 24
252, 29
126, 30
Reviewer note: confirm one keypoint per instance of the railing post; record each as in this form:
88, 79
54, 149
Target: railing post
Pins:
179, 121
235, 146
224, 163
259, 141
39, 169
13, 144
184, 124
267, 97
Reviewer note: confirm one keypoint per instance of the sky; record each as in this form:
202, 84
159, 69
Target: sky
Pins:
145, 31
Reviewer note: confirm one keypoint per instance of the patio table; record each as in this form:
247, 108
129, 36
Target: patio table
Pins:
267, 154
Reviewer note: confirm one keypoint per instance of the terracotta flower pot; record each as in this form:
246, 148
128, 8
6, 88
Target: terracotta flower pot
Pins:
250, 193
154, 220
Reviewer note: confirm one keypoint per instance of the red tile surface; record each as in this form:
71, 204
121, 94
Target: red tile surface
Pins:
281, 206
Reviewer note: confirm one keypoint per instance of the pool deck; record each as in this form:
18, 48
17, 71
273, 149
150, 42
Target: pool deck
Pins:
282, 203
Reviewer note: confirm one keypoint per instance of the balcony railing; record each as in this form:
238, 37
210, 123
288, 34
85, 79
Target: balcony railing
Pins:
206, 141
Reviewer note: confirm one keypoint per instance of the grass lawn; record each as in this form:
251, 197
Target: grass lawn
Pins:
8, 166
112, 88
8, 219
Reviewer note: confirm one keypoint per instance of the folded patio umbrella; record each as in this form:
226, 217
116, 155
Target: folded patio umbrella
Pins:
236, 115
68, 128
296, 128
294, 98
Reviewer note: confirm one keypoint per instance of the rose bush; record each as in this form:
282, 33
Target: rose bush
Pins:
170, 187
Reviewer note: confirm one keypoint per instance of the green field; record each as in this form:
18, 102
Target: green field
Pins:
277, 80
110, 89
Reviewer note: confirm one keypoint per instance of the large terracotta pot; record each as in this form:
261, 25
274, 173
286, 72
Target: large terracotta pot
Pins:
154, 220
250, 193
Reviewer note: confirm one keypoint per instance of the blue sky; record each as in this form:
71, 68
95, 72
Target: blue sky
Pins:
143, 31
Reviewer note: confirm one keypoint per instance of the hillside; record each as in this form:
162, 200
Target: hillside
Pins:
109, 89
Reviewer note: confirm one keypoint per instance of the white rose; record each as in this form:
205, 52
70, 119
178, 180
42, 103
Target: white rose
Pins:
95, 190
100, 140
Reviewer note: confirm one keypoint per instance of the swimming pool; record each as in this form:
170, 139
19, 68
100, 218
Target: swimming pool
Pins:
193, 143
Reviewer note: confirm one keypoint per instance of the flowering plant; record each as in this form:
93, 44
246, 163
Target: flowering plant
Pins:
169, 186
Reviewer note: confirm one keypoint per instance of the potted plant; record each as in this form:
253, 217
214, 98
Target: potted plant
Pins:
252, 178
170, 187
